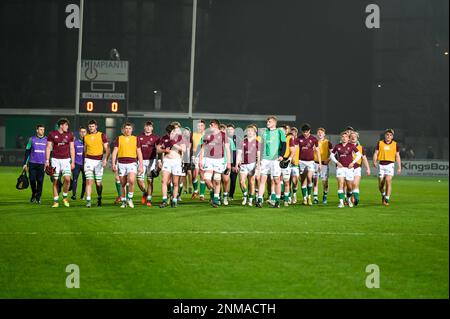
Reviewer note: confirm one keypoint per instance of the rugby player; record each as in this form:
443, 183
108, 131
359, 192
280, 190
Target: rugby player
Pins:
96, 156
354, 139
295, 171
172, 148
387, 152
60, 145
79, 162
215, 148
34, 162
345, 155
127, 148
325, 147
151, 163
196, 173
308, 145
248, 163
273, 147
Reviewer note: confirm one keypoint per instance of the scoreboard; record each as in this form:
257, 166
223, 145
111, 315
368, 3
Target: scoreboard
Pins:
103, 87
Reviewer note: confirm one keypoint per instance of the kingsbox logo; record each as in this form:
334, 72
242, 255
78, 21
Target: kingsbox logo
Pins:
433, 166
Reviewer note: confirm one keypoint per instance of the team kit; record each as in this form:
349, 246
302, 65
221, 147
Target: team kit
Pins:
269, 164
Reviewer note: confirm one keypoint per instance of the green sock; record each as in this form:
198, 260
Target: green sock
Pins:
244, 193
211, 193
282, 187
273, 196
170, 189
356, 195
277, 199
119, 192
341, 195
126, 191
202, 188
349, 194
164, 199
309, 188
251, 197
286, 197
195, 184
180, 189
294, 190
304, 192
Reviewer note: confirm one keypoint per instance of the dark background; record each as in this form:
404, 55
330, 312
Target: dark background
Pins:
315, 59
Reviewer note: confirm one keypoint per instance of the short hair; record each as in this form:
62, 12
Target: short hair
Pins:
230, 125
39, 126
344, 133
170, 128
294, 129
92, 122
214, 122
251, 126
349, 128
201, 121
62, 121
272, 117
306, 127
176, 123
148, 123
285, 126
389, 130
356, 133
321, 129
81, 128
127, 124
222, 127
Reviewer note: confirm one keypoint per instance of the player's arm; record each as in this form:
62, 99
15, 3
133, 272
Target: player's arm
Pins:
140, 161
334, 160
399, 162
114, 158
366, 164
330, 148
27, 154
48, 150
282, 146
375, 157
319, 158
107, 153
72, 155
228, 152
356, 159
239, 156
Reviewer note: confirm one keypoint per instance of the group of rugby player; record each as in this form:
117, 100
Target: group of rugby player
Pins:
279, 159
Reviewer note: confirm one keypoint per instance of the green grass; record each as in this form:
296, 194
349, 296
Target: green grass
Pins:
196, 251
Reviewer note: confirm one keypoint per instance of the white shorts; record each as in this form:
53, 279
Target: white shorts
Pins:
125, 169
307, 165
345, 172
270, 167
214, 164
286, 172
93, 168
173, 166
384, 170
324, 171
295, 170
249, 169
62, 166
357, 171
148, 165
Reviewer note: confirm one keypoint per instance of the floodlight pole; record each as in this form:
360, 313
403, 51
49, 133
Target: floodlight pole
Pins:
80, 45
191, 80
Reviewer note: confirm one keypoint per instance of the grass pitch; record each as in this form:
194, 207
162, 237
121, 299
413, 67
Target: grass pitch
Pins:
196, 251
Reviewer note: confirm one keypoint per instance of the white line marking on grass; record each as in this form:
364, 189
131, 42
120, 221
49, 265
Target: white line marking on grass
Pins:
219, 233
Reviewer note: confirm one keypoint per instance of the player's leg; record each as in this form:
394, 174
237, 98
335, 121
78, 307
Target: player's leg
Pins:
76, 172
315, 181
341, 194
217, 178
295, 174
140, 179
349, 179
165, 180
388, 189
309, 186
226, 179
324, 176
251, 187
118, 184
286, 173
89, 171
67, 174
32, 175
83, 185
355, 189
131, 177
233, 178
40, 175
242, 181
195, 179
123, 185
176, 189
98, 177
